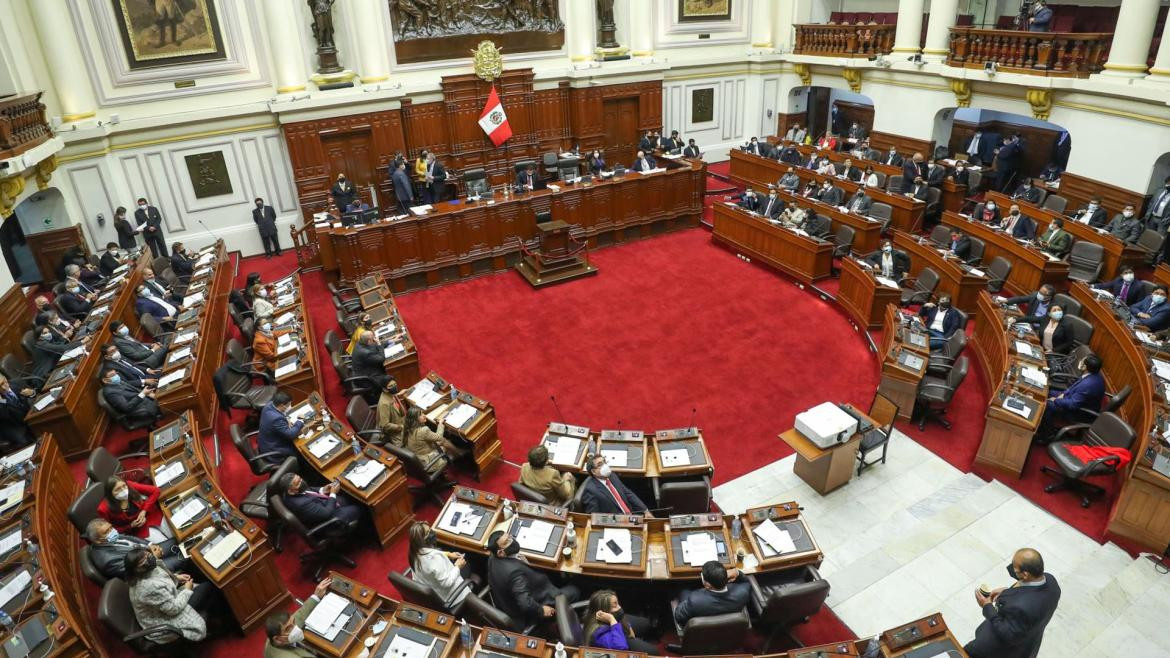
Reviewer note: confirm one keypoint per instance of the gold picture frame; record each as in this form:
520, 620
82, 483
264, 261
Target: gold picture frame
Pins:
158, 33
704, 10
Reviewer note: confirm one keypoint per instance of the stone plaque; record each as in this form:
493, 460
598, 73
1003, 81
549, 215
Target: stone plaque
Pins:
702, 105
209, 174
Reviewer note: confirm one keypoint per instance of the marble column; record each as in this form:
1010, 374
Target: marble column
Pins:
372, 43
943, 15
581, 30
762, 24
909, 29
60, 46
1132, 38
1161, 70
284, 44
641, 28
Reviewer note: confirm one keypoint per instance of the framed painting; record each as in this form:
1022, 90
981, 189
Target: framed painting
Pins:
166, 32
704, 10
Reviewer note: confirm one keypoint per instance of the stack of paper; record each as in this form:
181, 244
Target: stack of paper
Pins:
169, 473
362, 476
889, 283
423, 394
22, 455
534, 536
421, 210
300, 412
288, 346
287, 369
383, 329
461, 519
11, 495
323, 445
285, 300
285, 318
172, 376
73, 353
44, 401
10, 541
404, 647
328, 617
187, 511
1034, 376
563, 450
459, 416
178, 355
191, 300
675, 457
699, 548
1024, 348
224, 549
1162, 369
616, 458
773, 540
184, 338
393, 350
15, 586
623, 554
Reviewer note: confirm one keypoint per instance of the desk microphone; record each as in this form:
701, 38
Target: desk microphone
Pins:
209, 231
555, 406
692, 424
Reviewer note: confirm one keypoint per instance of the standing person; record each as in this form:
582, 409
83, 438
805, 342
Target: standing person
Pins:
343, 192
1041, 19
125, 229
436, 179
1014, 617
151, 220
265, 218
402, 188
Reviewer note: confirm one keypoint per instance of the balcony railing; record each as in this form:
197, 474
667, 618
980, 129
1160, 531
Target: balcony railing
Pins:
1064, 54
844, 40
22, 124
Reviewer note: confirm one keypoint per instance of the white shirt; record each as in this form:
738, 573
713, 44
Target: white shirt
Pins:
437, 571
871, 180
171, 310
887, 264
939, 317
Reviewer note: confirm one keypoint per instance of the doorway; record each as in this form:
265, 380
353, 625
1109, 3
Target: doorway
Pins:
620, 116
351, 153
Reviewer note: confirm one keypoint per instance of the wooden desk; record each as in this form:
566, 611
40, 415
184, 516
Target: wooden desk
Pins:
463, 239
903, 363
1031, 267
823, 469
758, 171
391, 330
644, 454
479, 430
364, 614
956, 278
802, 257
387, 496
73, 417
867, 231
927, 636
862, 296
304, 376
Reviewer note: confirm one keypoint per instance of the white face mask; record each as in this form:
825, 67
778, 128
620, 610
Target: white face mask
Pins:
1127, 214
296, 635
122, 494
124, 330
116, 355
1128, 278
604, 471
1157, 299
262, 293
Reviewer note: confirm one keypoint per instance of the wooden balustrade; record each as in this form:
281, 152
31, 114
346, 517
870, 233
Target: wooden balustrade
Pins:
305, 245
22, 124
1063, 54
831, 40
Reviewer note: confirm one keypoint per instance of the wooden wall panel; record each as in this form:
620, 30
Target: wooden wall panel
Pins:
1038, 142
850, 112
905, 145
1078, 190
16, 317
786, 121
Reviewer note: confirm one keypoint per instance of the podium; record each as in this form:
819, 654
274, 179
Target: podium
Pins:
559, 257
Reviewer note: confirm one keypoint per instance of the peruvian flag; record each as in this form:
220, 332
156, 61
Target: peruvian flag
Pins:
493, 120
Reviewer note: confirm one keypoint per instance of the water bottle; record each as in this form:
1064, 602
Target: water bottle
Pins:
355, 446
736, 528
560, 650
465, 634
508, 509
570, 535
454, 392
6, 621
216, 517
225, 509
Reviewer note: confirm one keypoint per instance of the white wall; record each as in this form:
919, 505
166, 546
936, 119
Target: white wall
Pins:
736, 116
44, 210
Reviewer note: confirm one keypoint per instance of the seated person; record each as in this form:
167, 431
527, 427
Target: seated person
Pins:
108, 549
941, 321
262, 308
692, 149
49, 347
827, 142
1056, 334
605, 493
159, 288
606, 625
830, 194
50, 315
988, 213
276, 435
264, 345
770, 207
961, 176
523, 593
1056, 240
1019, 225
753, 146
1126, 226
111, 259
357, 205
793, 215
1125, 288
286, 633
936, 172
596, 162
750, 200
1050, 173
369, 359
137, 404
1152, 313
816, 225
889, 262
182, 264
960, 245
1092, 213
391, 413
527, 177
144, 355
789, 181
790, 155
1067, 406
859, 203
1033, 305
871, 178
162, 598
14, 406
810, 190
814, 161
826, 167
545, 480
90, 277
643, 162
74, 302
721, 593
132, 508
919, 190
129, 372
445, 572
428, 445
365, 323
149, 303
1027, 192
313, 508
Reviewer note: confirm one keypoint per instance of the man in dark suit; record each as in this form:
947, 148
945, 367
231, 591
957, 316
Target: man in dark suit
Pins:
368, 359
753, 146
643, 161
1014, 617
671, 143
831, 194
182, 264
149, 216
893, 157
276, 435
772, 206
1027, 192
750, 200
1085, 394
148, 303
111, 259
889, 262
605, 493
314, 507
129, 372
1019, 225
790, 155
1041, 19
1126, 226
859, 203
912, 169
1153, 312
919, 189
523, 593
941, 321
978, 148
856, 131
125, 230
265, 218
960, 245
1158, 212
108, 549
14, 406
1007, 162
1125, 288
135, 403
648, 142
1034, 305
403, 191
143, 355
936, 172
692, 149
527, 177
1092, 214
789, 181
343, 192
722, 593
961, 175
73, 302
816, 225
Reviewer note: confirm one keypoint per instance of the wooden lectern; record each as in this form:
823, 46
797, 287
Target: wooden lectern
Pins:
559, 257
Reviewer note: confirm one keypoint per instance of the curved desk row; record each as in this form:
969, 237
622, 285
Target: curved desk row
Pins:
375, 298
1031, 267
957, 279
678, 452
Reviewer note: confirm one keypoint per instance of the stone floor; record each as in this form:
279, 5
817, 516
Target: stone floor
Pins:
916, 536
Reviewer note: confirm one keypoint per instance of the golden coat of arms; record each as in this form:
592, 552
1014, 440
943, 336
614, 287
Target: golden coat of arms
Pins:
488, 62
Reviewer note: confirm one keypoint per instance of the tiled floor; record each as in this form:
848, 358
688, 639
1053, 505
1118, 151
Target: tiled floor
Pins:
916, 536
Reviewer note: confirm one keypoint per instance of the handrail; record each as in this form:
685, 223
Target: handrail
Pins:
22, 124
1058, 54
844, 40
305, 244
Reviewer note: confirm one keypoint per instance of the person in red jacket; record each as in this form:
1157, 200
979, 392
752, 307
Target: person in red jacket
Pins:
133, 509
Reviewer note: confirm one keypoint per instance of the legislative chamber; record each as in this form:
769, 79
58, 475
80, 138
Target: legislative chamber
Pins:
569, 329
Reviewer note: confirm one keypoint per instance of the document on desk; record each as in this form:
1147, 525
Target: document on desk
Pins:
288, 346
223, 550
423, 394
201, 272
393, 350
563, 450
187, 511
699, 548
675, 457
615, 458
889, 283
362, 476
11, 496
1161, 369
615, 546
459, 416
535, 535
98, 312
299, 412
1024, 348
44, 401
328, 617
185, 337
1017, 407
287, 369
323, 445
1034, 376
773, 539
22, 455
178, 355
10, 541
461, 519
191, 300
419, 211
170, 377
15, 586
107, 294
404, 647
169, 473
285, 300
73, 353
286, 318
384, 329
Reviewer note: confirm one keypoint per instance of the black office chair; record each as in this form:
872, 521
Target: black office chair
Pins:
88, 568
933, 194
1107, 431
976, 255
432, 480
354, 385
262, 464
1055, 202
998, 273
921, 289
783, 599
334, 344
568, 620
475, 182
1071, 306
29, 342
364, 419
894, 184
324, 549
843, 242
350, 303
1082, 329
940, 236
347, 322
935, 394
84, 508
883, 411
1150, 242
116, 612
1085, 261
128, 423
102, 464
235, 390
155, 330
1114, 404
683, 496
716, 634
20, 373
160, 264
1062, 369
242, 357
942, 361
523, 492
248, 330
473, 607
549, 162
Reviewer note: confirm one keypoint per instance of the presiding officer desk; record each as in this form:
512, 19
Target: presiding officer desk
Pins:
1031, 267
463, 238
67, 406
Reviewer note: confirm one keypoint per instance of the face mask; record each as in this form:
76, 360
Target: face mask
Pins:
263, 293
116, 355
887, 249
1092, 206
1042, 297
259, 205
991, 206
1015, 213
266, 327
944, 305
112, 534
604, 471
47, 335
124, 330
1128, 278
150, 563
619, 614
116, 379
828, 186
142, 205
1056, 315
513, 549
74, 289
122, 494
1157, 299
296, 635
1127, 214
1012, 572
